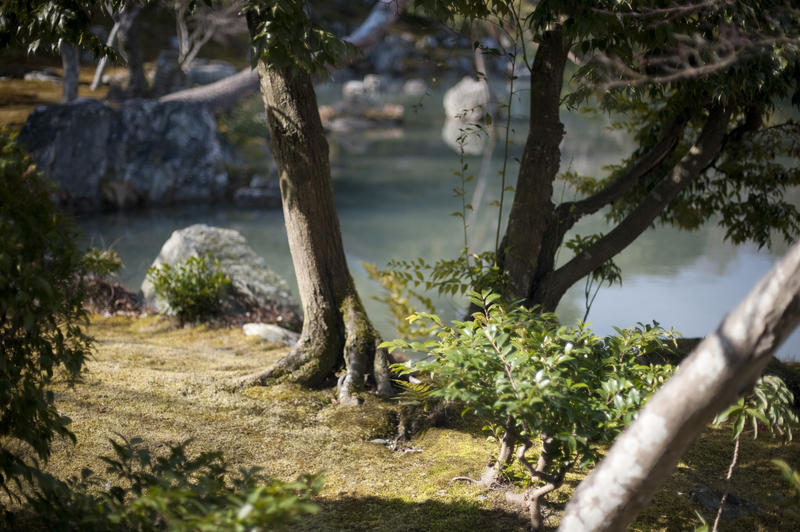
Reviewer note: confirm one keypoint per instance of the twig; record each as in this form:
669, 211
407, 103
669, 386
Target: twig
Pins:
727, 484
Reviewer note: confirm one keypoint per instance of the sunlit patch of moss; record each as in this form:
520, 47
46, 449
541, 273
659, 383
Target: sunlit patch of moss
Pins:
754, 479
152, 379
19, 97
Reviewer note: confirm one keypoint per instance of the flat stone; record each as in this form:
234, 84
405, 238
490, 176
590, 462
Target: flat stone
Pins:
271, 333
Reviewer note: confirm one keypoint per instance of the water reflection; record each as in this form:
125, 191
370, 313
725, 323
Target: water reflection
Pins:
395, 198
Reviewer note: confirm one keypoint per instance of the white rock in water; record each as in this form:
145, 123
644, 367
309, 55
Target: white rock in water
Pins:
467, 100
271, 333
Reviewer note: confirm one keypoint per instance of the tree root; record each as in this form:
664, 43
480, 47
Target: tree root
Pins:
310, 364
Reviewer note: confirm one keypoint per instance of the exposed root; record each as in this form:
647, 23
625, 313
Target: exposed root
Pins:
361, 354
308, 363
323, 348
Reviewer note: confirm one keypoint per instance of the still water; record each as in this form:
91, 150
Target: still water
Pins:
394, 193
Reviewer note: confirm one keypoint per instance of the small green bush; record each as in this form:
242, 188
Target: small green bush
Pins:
170, 492
41, 313
540, 386
100, 263
192, 290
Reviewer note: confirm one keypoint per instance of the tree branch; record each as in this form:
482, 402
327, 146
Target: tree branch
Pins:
685, 171
371, 31
574, 210
227, 91
725, 365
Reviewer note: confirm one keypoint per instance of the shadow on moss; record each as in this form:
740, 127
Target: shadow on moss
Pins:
387, 515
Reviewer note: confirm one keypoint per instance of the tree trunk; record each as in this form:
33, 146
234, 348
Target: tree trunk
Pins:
532, 209
128, 38
702, 153
70, 60
336, 331
723, 367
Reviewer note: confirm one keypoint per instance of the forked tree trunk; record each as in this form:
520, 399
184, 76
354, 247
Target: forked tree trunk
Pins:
336, 331
536, 226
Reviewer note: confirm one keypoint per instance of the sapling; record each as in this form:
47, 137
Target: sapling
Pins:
770, 404
540, 386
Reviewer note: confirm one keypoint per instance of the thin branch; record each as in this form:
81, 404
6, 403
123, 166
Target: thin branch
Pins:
641, 167
669, 12
727, 483
731, 51
699, 156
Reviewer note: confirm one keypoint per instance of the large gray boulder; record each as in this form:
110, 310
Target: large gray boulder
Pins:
143, 152
254, 290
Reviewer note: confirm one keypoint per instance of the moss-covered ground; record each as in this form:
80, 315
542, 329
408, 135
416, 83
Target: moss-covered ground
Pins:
18, 97
151, 379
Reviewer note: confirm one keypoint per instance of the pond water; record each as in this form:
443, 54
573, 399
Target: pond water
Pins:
394, 193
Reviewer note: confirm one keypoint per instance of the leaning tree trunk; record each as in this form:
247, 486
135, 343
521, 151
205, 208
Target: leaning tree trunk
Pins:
724, 366
103, 63
70, 60
336, 330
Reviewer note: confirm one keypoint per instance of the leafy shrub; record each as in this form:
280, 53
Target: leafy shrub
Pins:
100, 263
538, 384
769, 403
192, 290
172, 492
41, 311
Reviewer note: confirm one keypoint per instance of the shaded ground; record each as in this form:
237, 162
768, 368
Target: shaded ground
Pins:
153, 380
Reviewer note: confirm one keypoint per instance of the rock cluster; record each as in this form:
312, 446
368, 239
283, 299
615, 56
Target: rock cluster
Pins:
140, 153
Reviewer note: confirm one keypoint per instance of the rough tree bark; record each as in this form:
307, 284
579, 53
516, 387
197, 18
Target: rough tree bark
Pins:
532, 209
70, 60
536, 226
724, 366
336, 330
226, 92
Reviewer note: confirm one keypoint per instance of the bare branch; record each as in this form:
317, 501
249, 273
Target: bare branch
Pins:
371, 31
227, 91
666, 14
693, 58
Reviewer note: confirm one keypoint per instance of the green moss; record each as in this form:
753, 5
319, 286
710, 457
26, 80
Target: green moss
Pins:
19, 97
151, 379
